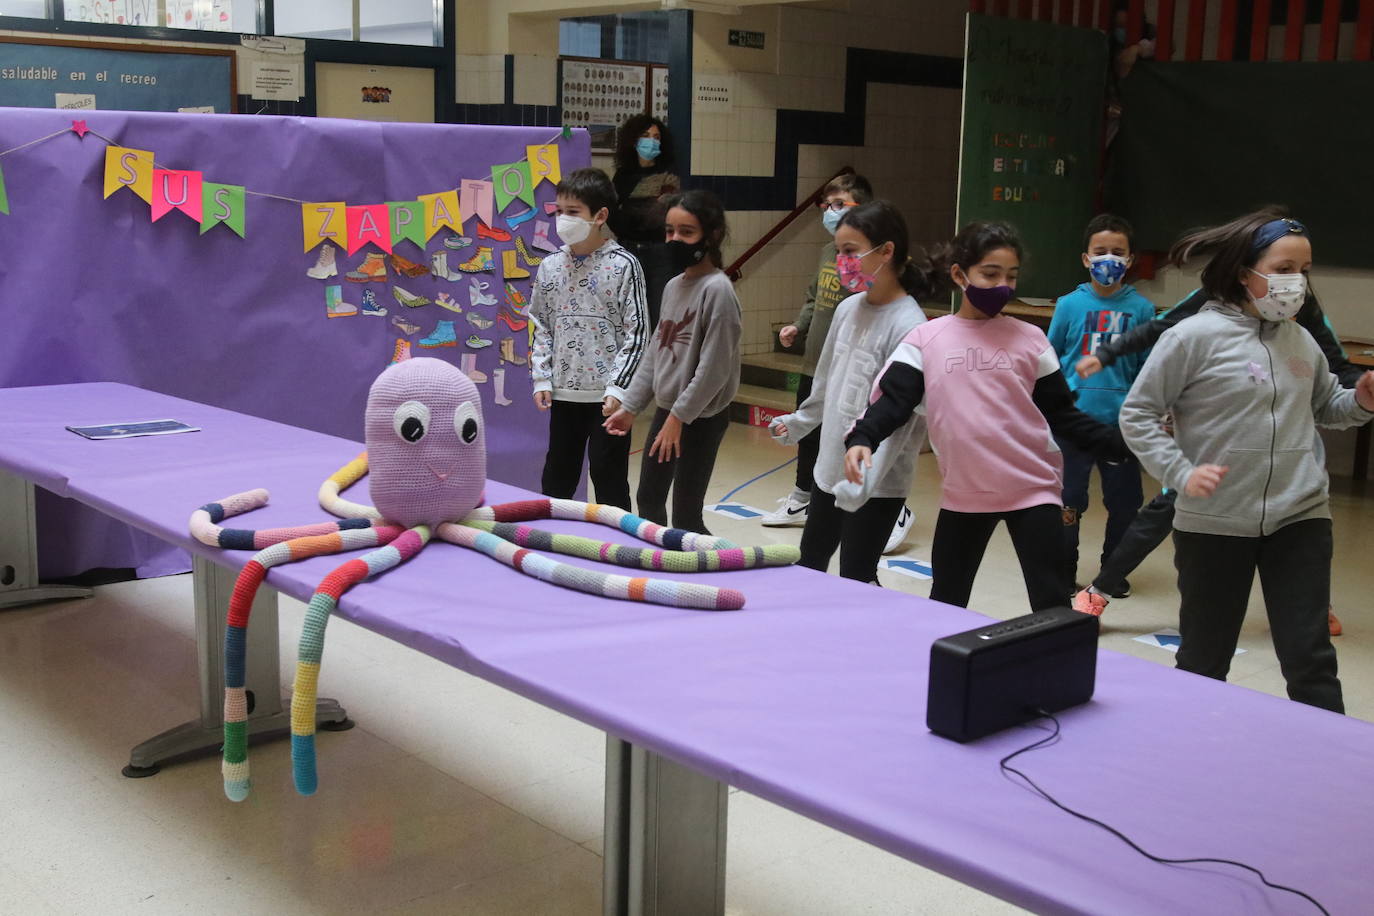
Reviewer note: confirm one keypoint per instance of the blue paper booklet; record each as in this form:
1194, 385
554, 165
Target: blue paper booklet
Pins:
136, 428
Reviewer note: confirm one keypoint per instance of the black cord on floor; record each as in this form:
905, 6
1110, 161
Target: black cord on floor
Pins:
1054, 737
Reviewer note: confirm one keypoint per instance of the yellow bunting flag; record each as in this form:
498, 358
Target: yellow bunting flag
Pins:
441, 210
322, 221
131, 168
544, 163
223, 203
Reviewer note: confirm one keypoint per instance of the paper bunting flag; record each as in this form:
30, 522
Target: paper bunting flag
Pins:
4, 198
477, 199
512, 182
174, 189
321, 221
441, 210
223, 203
131, 168
544, 163
369, 224
407, 222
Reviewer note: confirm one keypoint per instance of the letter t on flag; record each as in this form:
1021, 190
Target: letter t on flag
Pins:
369, 224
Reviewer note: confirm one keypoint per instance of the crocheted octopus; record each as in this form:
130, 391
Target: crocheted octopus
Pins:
426, 458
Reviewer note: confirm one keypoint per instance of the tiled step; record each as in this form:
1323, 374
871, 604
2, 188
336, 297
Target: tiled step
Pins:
770, 370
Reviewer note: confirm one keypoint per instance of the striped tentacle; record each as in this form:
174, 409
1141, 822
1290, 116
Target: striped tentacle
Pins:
326, 598
612, 517
341, 480
675, 561
205, 525
235, 765
556, 572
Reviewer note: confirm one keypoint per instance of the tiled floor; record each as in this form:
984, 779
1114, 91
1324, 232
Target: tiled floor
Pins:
500, 816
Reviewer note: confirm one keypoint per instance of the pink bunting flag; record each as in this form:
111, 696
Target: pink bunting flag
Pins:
371, 223
176, 190
476, 199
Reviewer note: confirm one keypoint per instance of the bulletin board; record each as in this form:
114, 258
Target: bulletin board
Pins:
42, 73
1031, 149
601, 95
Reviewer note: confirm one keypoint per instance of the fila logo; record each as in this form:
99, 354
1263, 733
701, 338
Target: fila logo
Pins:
976, 359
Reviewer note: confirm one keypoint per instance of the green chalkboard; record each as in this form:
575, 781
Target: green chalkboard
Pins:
1032, 140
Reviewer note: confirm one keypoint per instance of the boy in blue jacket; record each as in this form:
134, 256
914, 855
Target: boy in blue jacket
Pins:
1094, 314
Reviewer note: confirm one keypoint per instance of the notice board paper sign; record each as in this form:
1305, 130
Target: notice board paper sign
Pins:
198, 109
76, 101
714, 93
276, 80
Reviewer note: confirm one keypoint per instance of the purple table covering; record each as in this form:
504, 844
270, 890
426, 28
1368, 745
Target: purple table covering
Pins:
92, 290
811, 697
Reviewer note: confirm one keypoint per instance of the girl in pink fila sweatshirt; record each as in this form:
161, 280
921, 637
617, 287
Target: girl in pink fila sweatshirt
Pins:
994, 399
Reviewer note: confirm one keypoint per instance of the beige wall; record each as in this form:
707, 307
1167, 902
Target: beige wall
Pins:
338, 92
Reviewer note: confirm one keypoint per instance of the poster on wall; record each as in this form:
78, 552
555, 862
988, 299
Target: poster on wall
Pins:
600, 96
660, 100
207, 15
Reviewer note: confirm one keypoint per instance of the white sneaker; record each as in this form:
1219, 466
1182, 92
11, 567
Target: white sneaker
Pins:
791, 512
899, 530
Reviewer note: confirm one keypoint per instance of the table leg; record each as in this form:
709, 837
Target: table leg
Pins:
19, 583
213, 586
1362, 452
665, 836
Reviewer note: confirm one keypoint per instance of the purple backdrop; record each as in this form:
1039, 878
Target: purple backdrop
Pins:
93, 290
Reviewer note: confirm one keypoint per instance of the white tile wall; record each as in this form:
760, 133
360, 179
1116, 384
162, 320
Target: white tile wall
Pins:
482, 79
536, 80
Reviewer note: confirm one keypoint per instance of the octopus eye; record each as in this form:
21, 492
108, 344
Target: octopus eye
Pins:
465, 422
410, 421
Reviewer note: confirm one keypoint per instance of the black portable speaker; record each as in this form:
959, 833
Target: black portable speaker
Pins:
988, 679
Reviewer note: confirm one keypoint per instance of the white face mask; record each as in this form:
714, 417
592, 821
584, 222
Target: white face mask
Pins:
1287, 293
573, 229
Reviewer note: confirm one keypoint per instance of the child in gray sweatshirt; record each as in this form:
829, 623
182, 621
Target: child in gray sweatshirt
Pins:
690, 370
1245, 387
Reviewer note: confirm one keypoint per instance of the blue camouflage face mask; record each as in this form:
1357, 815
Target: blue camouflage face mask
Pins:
648, 148
1107, 269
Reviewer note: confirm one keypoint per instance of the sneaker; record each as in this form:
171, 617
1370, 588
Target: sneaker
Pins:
477, 343
1090, 602
899, 530
1124, 591
1333, 623
457, 242
791, 511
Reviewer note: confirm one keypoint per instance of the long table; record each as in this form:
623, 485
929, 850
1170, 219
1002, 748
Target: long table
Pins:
811, 697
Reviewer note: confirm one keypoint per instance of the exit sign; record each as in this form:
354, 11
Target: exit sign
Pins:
744, 39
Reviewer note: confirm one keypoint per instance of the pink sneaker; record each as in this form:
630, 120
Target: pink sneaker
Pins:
1090, 602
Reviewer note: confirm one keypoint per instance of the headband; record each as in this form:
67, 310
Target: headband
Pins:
1274, 230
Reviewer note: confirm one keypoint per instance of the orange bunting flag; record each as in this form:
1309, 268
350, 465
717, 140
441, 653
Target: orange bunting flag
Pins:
321, 221
371, 223
129, 168
177, 190
441, 210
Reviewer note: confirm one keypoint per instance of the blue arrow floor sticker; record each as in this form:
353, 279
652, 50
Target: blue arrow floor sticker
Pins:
916, 569
735, 510
1167, 639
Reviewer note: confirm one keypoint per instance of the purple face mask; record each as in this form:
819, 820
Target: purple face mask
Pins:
990, 300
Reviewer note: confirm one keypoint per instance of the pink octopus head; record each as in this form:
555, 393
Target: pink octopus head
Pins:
426, 443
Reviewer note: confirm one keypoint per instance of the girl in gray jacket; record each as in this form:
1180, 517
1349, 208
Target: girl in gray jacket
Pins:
1245, 387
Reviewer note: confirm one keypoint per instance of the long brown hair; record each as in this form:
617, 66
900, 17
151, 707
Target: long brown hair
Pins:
1231, 246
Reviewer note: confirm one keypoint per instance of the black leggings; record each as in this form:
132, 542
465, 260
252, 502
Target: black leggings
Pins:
1036, 533
860, 536
688, 476
575, 430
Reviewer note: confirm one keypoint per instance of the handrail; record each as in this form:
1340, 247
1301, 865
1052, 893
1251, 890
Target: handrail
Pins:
733, 271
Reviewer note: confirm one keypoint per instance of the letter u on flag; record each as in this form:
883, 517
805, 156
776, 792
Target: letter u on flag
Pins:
129, 168
223, 203
369, 224
320, 221
176, 190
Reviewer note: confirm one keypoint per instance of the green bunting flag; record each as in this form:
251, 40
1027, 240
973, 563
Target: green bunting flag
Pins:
408, 222
512, 182
222, 203
4, 199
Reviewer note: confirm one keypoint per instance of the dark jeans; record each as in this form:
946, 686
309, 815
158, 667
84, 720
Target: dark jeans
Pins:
658, 270
810, 445
688, 476
1151, 526
860, 536
962, 537
574, 430
1121, 496
1215, 574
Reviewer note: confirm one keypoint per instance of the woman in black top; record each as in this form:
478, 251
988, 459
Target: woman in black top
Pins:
644, 177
